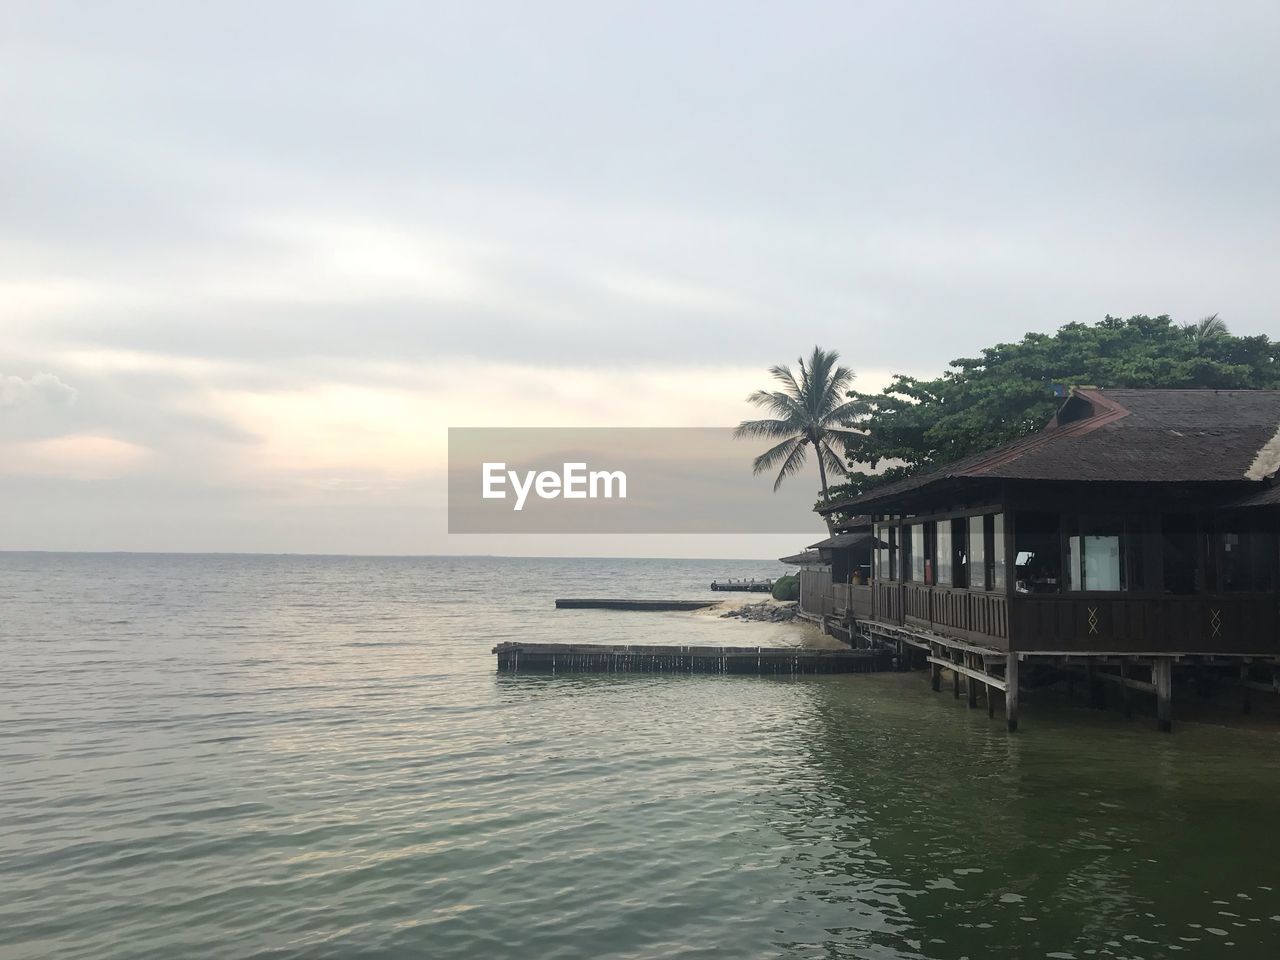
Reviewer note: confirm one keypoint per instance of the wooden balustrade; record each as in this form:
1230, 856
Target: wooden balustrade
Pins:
968, 614
1244, 623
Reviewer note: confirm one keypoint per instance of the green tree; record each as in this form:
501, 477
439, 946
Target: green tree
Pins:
1004, 393
1206, 327
809, 411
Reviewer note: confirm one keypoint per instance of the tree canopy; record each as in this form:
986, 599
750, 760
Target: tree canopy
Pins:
1005, 393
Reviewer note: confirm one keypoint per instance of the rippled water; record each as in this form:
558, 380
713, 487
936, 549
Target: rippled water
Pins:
313, 757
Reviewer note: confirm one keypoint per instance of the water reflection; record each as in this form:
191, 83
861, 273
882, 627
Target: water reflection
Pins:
935, 830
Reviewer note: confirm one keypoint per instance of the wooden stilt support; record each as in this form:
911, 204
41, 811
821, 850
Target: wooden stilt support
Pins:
1011, 692
955, 684
1162, 677
935, 677
1246, 702
971, 685
1126, 699
1097, 692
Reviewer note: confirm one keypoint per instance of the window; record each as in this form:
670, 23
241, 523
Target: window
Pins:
943, 557
913, 562
886, 543
1037, 553
1095, 555
993, 539
1247, 558
976, 568
1180, 554
960, 552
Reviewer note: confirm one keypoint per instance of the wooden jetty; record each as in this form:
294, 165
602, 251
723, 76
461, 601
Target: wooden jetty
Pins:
615, 604
748, 586
640, 658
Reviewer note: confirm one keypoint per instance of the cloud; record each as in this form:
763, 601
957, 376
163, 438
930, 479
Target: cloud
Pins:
43, 389
281, 258
78, 457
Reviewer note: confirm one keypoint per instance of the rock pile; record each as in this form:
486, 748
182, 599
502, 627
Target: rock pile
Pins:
764, 610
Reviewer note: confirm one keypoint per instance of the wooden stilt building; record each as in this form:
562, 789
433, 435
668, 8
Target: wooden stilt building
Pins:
1131, 542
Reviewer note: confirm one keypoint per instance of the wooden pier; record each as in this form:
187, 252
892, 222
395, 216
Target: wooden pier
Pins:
615, 604
746, 586
515, 657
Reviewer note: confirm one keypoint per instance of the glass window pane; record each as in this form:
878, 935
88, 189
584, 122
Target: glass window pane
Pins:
1038, 552
942, 551
1095, 554
960, 552
994, 535
1180, 557
917, 552
1248, 556
977, 572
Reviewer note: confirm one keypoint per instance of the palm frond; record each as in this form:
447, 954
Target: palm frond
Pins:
833, 462
776, 454
764, 429
779, 403
782, 373
845, 412
795, 460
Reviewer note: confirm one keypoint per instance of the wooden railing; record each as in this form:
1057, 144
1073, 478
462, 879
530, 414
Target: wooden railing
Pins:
815, 592
1241, 623
1103, 623
851, 599
968, 614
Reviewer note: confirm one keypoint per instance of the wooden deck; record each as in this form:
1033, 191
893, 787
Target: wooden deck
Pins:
515, 657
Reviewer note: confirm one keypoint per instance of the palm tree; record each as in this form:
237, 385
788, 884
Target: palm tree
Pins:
810, 412
1210, 326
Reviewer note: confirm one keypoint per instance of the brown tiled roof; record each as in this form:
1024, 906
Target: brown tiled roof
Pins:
1174, 436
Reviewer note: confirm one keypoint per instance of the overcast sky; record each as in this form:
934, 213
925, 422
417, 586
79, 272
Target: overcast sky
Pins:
256, 258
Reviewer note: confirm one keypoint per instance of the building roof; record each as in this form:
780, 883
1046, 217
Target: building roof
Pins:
842, 541
805, 559
1267, 496
861, 522
1174, 436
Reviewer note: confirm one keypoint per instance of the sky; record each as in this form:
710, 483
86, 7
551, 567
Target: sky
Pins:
256, 259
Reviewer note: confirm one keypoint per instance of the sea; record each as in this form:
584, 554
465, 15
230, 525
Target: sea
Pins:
220, 756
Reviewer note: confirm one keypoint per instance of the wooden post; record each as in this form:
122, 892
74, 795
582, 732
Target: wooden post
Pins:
1011, 692
955, 683
935, 677
971, 685
991, 702
1246, 703
1097, 692
1162, 677
1126, 701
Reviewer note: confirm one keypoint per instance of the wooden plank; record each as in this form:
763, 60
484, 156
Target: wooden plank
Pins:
573, 603
959, 668
1011, 692
1163, 675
